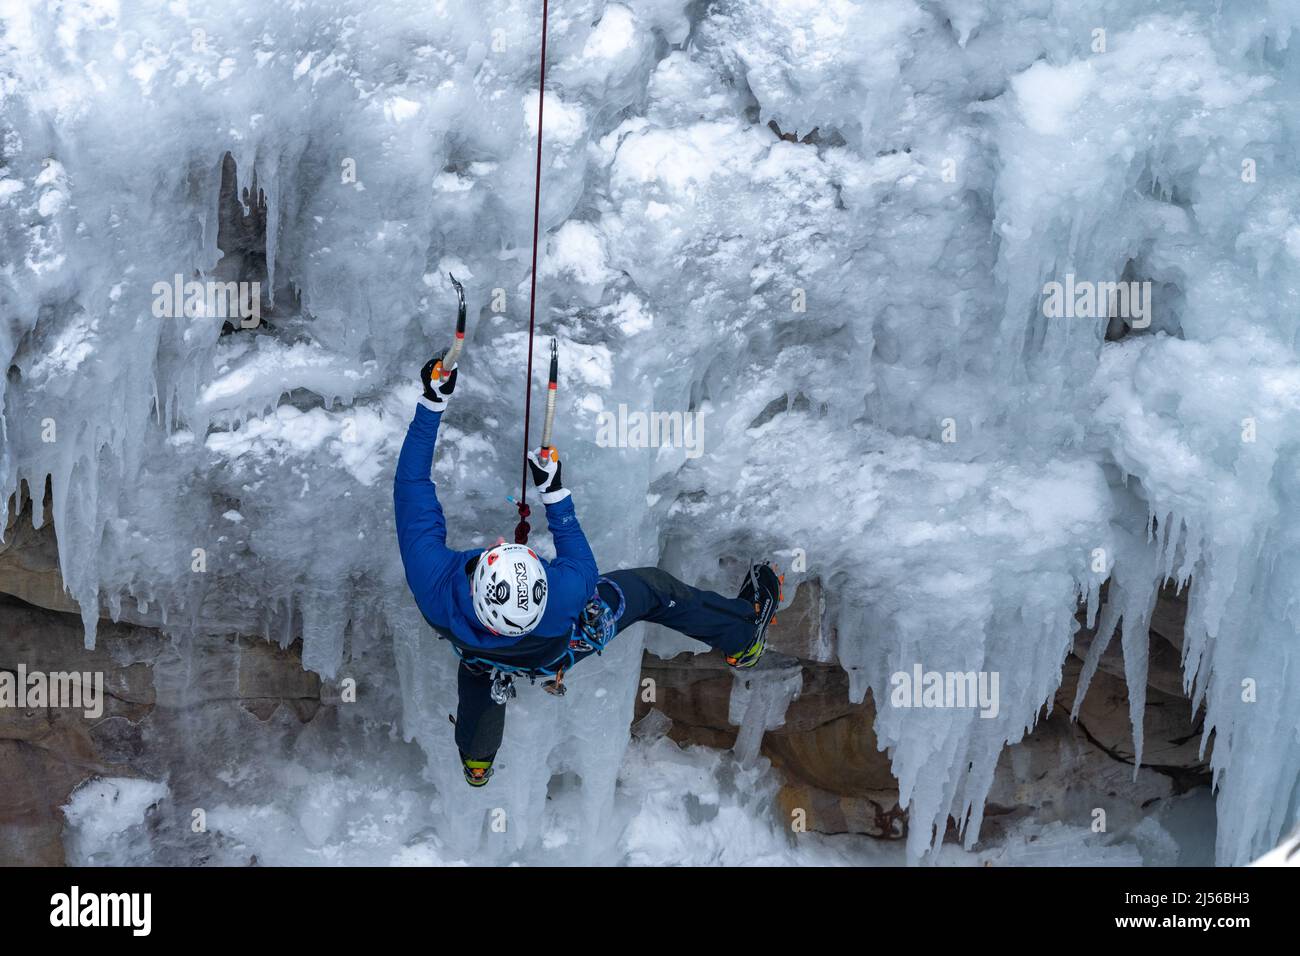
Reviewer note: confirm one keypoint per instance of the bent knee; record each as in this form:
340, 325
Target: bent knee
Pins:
660, 582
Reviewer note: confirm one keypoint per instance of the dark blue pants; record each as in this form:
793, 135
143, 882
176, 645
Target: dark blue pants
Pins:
650, 594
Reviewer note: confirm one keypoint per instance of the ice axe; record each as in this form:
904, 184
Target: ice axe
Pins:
552, 386
449, 360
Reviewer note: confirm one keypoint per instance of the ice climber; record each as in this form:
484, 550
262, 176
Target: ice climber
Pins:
509, 613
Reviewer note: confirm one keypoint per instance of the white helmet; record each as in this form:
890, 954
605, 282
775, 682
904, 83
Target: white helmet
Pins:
509, 589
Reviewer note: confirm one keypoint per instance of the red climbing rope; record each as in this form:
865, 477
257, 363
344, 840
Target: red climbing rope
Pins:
522, 529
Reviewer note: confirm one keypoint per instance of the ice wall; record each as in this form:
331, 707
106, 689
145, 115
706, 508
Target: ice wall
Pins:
854, 313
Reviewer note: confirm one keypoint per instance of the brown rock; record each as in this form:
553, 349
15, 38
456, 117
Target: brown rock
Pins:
827, 752
874, 814
826, 748
269, 676
46, 752
29, 557
1171, 730
801, 629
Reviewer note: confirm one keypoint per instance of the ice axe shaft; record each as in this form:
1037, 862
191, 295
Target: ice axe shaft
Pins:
552, 386
443, 368
522, 529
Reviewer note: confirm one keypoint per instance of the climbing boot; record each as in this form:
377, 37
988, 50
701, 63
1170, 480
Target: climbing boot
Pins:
761, 588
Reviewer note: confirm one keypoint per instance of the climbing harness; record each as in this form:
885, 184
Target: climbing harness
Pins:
593, 631
595, 628
503, 687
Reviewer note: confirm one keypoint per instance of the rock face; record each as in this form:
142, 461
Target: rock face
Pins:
47, 751
161, 695
1062, 771
149, 686
826, 748
29, 557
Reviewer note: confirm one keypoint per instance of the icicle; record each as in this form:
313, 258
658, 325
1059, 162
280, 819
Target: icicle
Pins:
1105, 632
759, 699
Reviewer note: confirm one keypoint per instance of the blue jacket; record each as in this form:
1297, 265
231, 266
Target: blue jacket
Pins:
436, 573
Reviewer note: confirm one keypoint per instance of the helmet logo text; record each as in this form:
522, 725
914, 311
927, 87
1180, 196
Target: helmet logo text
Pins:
521, 586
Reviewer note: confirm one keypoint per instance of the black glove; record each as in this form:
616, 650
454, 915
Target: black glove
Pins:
436, 393
544, 463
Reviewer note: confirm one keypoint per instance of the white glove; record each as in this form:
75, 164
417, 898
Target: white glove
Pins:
437, 392
544, 463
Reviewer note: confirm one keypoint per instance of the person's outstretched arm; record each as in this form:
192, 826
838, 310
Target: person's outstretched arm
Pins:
572, 552
421, 528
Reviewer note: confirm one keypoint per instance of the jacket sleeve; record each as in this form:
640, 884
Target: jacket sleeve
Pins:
571, 549
421, 529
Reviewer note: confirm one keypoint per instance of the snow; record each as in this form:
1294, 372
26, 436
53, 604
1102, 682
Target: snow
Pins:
691, 806
615, 33
565, 123
102, 814
1286, 853
1048, 95
576, 252
950, 460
